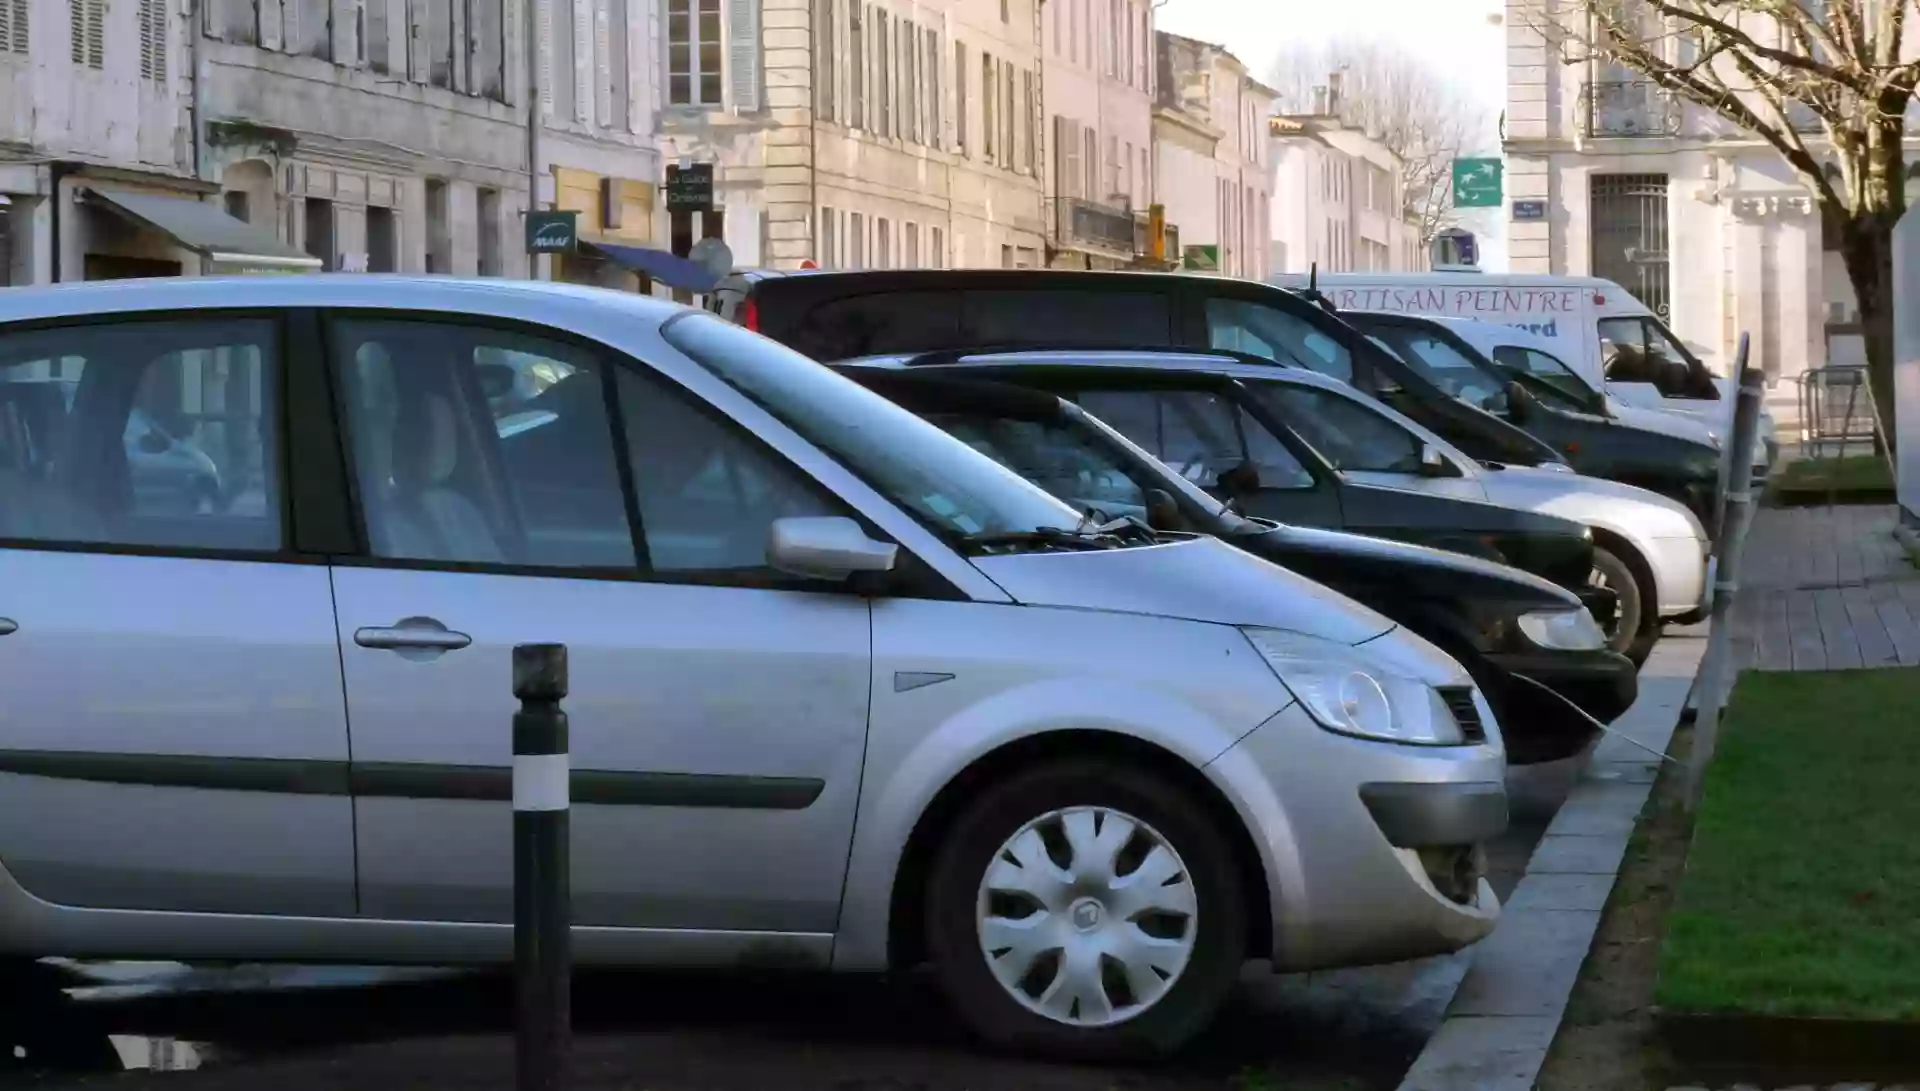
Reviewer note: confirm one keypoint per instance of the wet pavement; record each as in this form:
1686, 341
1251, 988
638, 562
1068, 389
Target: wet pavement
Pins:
305, 1027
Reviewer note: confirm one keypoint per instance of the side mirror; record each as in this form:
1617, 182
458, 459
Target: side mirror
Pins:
153, 443
1520, 402
1162, 512
1241, 480
1433, 463
828, 547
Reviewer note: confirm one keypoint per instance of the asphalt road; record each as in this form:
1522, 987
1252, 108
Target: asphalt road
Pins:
301, 1028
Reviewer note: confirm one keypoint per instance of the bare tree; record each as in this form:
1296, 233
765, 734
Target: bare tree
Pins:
1414, 112
1821, 81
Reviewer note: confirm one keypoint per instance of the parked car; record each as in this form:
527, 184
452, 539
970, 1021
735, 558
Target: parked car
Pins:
1597, 328
1514, 632
1295, 446
1521, 352
840, 316
1555, 408
845, 692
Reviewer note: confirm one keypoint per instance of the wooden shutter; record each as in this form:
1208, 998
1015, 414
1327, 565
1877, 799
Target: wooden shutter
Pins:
418, 16
583, 60
642, 68
603, 62
743, 54
151, 17
543, 26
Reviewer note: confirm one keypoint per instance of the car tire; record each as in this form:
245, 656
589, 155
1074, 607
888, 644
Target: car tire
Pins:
1184, 960
1637, 619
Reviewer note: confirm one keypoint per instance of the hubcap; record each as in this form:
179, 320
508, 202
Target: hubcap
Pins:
1087, 916
1598, 578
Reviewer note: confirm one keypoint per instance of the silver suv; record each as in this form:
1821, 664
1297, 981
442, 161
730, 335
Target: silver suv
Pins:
846, 693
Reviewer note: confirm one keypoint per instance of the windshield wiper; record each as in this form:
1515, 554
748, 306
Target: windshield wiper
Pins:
1058, 537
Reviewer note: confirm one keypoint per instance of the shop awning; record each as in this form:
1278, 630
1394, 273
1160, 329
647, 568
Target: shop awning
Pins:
208, 230
667, 268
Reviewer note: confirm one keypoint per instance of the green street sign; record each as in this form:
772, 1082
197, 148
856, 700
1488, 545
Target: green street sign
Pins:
553, 232
1476, 183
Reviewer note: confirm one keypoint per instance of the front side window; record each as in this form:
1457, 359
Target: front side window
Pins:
1198, 434
1238, 325
1640, 350
1347, 433
160, 434
475, 445
949, 487
1544, 374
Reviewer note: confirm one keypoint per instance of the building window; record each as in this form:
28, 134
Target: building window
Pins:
1028, 109
1090, 153
883, 84
487, 210
1146, 179
910, 241
13, 27
910, 81
319, 231
937, 245
439, 238
694, 51
1009, 155
829, 256
1006, 256
1113, 167
1006, 12
857, 242
238, 205
882, 244
89, 33
383, 241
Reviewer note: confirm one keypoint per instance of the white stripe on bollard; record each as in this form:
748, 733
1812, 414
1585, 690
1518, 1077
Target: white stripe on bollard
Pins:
540, 782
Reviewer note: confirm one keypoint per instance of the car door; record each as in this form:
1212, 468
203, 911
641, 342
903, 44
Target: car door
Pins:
175, 736
1203, 433
718, 711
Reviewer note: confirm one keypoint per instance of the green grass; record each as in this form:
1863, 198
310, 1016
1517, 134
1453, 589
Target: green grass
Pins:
1846, 473
1802, 890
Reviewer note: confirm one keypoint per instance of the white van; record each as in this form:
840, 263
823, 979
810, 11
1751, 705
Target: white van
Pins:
1597, 328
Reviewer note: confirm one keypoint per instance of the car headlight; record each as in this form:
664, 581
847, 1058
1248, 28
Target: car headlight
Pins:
1347, 691
1563, 630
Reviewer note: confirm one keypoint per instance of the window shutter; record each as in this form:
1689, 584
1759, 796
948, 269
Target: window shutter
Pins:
544, 28
743, 54
151, 18
417, 20
640, 70
583, 61
603, 62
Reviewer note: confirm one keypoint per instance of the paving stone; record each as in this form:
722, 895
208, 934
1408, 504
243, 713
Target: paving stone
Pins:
1483, 1054
1528, 966
1578, 854
1548, 890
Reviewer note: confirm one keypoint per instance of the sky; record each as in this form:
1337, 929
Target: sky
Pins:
1453, 36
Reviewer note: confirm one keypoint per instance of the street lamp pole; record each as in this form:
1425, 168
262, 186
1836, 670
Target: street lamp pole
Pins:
532, 47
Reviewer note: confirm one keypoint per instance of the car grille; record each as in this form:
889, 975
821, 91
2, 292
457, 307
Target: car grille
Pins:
1459, 701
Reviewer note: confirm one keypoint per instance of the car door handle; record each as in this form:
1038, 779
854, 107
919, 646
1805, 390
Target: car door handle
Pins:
414, 632
8, 627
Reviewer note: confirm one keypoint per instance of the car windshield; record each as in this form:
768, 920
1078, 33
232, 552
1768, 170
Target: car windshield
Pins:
1461, 375
947, 485
1076, 458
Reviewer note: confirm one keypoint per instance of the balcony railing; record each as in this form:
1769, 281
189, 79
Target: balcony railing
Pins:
1630, 108
1090, 223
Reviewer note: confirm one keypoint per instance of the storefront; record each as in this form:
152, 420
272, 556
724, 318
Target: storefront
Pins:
163, 235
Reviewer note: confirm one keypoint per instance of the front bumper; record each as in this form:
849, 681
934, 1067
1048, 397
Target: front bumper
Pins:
1680, 573
1538, 726
1358, 837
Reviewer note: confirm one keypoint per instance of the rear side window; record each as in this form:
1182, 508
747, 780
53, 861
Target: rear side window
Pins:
1082, 319
1238, 325
870, 325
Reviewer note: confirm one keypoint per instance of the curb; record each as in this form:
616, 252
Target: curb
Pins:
1503, 1018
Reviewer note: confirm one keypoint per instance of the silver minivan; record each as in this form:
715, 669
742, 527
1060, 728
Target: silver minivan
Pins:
846, 694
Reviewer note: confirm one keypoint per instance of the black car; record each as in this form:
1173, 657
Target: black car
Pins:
1471, 608
840, 316
1568, 415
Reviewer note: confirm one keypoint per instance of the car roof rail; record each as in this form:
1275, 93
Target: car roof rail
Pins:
931, 357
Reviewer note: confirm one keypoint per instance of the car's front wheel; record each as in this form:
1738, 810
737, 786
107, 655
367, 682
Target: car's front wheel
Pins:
1636, 620
1086, 908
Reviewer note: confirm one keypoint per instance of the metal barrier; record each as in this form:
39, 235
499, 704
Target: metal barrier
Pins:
1836, 410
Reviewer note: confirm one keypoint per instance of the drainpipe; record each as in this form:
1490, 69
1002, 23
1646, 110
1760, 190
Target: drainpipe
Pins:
57, 172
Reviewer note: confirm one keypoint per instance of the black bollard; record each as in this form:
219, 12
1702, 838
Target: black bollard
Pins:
542, 945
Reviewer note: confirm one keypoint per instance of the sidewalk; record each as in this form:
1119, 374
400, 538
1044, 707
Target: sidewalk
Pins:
1826, 589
